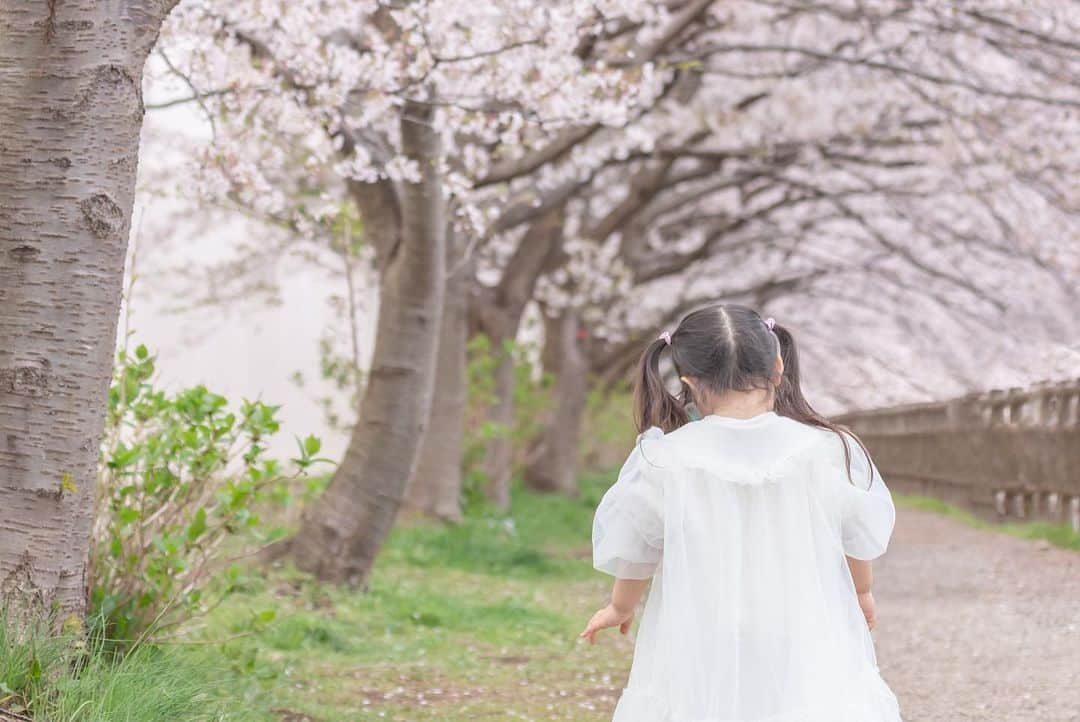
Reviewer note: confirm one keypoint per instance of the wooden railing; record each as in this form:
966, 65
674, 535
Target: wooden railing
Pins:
1002, 454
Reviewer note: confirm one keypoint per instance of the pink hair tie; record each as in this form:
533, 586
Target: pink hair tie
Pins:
665, 337
770, 322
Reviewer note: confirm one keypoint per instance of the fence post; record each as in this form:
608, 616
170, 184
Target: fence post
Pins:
999, 502
1018, 504
1053, 506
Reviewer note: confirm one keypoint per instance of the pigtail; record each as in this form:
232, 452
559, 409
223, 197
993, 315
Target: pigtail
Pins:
653, 404
790, 401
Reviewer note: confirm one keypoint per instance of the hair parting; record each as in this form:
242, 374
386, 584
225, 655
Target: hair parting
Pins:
727, 347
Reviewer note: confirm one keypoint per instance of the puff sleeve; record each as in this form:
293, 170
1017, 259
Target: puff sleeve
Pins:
866, 510
628, 528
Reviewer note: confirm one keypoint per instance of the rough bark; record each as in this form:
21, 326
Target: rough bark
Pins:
343, 531
435, 488
71, 111
554, 466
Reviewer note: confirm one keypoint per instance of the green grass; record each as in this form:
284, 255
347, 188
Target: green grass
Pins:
472, 621
55, 678
1061, 535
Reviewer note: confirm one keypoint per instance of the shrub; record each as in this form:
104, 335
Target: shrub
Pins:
531, 395
181, 476
608, 430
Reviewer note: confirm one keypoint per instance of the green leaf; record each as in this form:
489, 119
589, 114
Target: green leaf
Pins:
141, 352
127, 515
198, 525
123, 456
35, 670
312, 445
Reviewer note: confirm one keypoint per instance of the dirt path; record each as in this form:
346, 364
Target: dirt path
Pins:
976, 625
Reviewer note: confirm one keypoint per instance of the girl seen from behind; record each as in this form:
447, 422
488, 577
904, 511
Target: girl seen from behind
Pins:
754, 528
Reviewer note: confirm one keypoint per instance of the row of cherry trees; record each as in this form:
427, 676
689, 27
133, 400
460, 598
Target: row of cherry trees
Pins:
893, 179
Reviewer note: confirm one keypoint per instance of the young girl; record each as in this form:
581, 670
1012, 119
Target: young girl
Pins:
756, 525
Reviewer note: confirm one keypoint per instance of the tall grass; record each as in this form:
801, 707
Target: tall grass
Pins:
57, 677
28, 656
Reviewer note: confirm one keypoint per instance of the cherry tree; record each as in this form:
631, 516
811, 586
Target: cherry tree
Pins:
419, 116
71, 109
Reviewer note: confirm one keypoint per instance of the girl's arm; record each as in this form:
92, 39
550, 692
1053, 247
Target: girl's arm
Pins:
619, 612
862, 573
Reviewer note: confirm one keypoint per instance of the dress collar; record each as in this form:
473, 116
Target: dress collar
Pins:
762, 418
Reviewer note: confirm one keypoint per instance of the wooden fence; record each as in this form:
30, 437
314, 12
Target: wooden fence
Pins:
1011, 454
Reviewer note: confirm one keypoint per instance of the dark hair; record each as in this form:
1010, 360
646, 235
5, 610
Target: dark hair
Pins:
726, 347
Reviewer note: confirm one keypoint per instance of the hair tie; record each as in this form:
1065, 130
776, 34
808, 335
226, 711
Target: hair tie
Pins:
770, 322
665, 337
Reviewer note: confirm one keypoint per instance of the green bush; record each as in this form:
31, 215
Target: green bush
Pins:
181, 477
608, 431
531, 395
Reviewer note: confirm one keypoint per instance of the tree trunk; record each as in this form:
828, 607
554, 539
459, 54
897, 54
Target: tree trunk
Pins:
71, 111
435, 488
554, 466
344, 530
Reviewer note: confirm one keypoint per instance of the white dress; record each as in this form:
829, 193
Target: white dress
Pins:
743, 526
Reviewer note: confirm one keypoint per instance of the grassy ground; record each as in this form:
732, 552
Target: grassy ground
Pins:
1061, 535
472, 622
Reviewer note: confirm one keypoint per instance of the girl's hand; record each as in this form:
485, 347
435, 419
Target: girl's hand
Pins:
869, 608
609, 616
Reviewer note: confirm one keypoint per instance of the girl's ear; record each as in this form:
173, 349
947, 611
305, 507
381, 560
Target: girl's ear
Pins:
778, 371
696, 396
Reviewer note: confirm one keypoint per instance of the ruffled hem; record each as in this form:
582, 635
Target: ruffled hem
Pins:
641, 705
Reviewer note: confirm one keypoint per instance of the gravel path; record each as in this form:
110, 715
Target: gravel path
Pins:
977, 625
